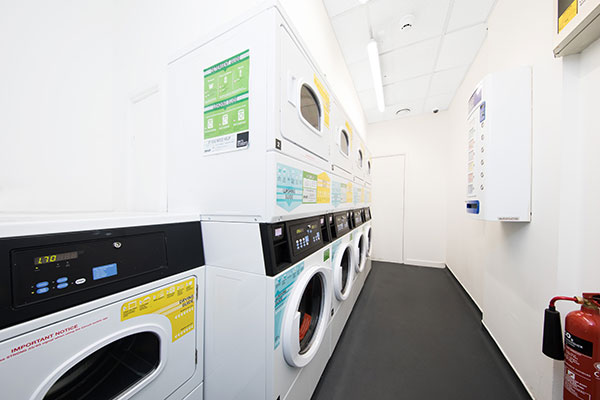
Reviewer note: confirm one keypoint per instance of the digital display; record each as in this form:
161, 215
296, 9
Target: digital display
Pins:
341, 223
50, 258
278, 232
104, 271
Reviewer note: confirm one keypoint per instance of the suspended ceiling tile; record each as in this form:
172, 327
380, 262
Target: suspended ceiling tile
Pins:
367, 99
415, 106
361, 75
460, 48
352, 31
469, 12
336, 7
408, 90
409, 62
447, 81
440, 102
387, 15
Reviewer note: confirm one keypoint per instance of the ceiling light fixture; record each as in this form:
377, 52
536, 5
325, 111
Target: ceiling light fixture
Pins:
363, 1
373, 52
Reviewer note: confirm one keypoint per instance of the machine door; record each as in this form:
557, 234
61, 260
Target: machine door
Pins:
141, 347
368, 235
360, 250
305, 102
343, 271
306, 316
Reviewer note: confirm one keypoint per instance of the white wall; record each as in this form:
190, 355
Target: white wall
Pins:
424, 141
83, 98
513, 269
56, 116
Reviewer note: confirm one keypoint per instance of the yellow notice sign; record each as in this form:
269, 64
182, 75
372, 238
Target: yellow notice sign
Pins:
349, 193
176, 302
326, 100
323, 188
567, 16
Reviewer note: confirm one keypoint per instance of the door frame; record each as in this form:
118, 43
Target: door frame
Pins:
403, 201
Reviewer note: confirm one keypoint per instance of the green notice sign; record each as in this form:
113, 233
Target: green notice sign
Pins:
226, 104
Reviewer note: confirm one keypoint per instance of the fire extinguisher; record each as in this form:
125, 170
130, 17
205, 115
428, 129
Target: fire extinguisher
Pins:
582, 345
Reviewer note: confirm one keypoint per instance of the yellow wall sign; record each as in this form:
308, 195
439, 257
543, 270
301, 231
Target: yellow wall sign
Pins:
326, 100
323, 188
567, 16
176, 302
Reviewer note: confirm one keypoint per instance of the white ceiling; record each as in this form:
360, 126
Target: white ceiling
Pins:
422, 67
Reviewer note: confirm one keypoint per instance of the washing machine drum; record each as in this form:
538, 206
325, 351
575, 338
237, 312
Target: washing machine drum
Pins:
306, 317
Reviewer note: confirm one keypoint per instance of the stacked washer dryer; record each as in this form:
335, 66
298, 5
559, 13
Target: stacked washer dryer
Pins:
262, 147
101, 307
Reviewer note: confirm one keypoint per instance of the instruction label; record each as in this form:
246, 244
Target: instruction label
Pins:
323, 188
296, 187
283, 287
567, 15
226, 105
341, 193
349, 193
176, 302
334, 248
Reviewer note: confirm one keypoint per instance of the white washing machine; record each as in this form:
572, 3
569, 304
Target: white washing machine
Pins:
343, 266
369, 237
265, 128
268, 302
342, 161
101, 308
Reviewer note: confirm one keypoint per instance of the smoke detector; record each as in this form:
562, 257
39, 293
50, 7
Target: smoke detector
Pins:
406, 23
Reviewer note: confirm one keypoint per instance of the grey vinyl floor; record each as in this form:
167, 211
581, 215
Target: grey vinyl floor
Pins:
415, 334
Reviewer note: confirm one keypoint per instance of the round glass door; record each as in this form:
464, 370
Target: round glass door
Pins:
109, 371
306, 317
342, 273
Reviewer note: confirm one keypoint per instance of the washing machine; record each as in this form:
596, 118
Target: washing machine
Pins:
249, 113
101, 307
342, 161
343, 272
366, 212
268, 302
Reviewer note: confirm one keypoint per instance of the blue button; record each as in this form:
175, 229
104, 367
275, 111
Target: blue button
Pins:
62, 285
41, 284
62, 280
42, 290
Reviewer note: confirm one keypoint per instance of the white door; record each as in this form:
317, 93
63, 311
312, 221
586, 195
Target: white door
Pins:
387, 208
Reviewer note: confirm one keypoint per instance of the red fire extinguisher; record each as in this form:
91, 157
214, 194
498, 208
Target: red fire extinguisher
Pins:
582, 345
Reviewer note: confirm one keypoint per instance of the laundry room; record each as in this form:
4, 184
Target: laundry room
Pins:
299, 200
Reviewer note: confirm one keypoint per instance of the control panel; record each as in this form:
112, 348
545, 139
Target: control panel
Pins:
286, 243
305, 236
341, 223
358, 218
42, 273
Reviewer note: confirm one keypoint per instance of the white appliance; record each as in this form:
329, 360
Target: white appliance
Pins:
342, 159
249, 113
359, 240
342, 191
101, 307
360, 157
343, 272
368, 237
268, 301
499, 147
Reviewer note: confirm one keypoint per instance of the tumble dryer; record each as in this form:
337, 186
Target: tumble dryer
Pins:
342, 161
249, 113
343, 273
268, 300
102, 308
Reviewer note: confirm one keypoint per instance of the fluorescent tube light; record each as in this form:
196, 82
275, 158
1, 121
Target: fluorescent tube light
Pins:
363, 1
373, 52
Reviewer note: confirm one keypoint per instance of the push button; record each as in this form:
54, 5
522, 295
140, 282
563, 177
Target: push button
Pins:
62, 280
42, 290
62, 285
41, 284
80, 281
